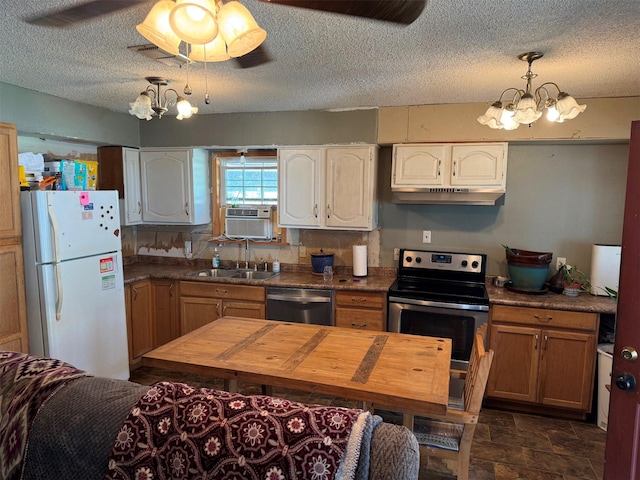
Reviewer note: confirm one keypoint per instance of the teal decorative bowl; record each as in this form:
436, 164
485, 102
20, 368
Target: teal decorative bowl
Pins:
528, 277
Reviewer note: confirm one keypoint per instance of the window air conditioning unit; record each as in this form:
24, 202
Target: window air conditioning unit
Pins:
251, 222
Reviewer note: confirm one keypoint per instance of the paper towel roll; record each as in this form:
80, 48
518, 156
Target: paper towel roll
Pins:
360, 260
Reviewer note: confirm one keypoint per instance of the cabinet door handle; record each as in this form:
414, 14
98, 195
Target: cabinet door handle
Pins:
171, 289
439, 164
135, 293
218, 309
362, 300
222, 291
358, 325
186, 208
224, 310
537, 338
546, 340
139, 207
328, 211
315, 210
540, 319
454, 167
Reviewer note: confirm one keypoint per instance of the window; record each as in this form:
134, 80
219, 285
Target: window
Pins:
249, 181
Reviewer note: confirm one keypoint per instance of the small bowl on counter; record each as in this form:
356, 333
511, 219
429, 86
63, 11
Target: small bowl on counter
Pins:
500, 281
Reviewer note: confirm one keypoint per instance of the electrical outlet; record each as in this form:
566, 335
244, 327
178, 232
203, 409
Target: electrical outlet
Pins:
187, 247
426, 236
396, 254
302, 251
560, 261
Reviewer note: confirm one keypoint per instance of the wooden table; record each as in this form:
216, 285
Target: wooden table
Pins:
407, 372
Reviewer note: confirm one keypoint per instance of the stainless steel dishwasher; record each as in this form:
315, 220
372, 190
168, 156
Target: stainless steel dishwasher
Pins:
300, 305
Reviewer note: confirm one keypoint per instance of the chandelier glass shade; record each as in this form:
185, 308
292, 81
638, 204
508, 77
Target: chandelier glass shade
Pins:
157, 30
239, 29
194, 21
524, 107
151, 102
215, 51
215, 30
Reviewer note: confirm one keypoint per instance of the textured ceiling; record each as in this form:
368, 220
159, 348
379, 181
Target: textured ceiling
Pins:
456, 52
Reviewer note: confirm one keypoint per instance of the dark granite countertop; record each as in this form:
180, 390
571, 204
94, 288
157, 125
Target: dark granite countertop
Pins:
584, 302
305, 279
379, 280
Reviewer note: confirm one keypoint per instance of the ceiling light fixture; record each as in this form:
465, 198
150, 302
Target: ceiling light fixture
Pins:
526, 107
151, 102
220, 30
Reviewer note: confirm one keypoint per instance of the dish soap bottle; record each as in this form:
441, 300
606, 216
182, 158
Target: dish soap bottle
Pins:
215, 261
276, 266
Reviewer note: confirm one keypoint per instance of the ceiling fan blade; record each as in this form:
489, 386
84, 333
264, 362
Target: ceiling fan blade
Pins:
398, 11
256, 57
79, 13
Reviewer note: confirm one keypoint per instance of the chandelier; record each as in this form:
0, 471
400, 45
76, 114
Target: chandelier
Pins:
215, 30
525, 107
151, 102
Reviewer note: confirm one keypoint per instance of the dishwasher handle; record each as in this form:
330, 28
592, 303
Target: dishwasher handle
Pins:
296, 299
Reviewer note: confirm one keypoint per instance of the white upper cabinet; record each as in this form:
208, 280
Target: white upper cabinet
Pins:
300, 181
419, 165
132, 187
175, 186
120, 170
479, 165
350, 187
449, 165
331, 187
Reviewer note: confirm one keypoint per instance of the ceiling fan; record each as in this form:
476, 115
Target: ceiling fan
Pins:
396, 11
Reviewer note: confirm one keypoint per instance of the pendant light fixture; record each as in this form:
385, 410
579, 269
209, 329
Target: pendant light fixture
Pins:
525, 107
151, 101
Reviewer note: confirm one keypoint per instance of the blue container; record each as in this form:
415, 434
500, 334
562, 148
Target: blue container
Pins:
321, 260
528, 277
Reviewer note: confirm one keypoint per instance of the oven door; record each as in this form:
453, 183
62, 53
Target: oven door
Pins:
436, 319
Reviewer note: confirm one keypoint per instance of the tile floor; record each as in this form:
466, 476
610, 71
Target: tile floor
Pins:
507, 446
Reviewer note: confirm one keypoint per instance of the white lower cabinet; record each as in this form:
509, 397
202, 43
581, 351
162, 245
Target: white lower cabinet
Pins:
175, 186
328, 187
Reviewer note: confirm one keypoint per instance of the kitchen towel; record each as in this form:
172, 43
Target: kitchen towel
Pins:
360, 260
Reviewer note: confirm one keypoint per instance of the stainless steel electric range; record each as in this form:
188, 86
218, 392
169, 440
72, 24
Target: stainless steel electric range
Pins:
440, 294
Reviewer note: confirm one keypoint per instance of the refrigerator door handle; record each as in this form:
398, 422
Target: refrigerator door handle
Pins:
54, 236
56, 257
59, 291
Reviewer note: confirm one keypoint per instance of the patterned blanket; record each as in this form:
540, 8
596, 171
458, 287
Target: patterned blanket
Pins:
26, 382
176, 431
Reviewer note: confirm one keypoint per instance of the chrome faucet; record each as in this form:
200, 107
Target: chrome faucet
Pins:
246, 254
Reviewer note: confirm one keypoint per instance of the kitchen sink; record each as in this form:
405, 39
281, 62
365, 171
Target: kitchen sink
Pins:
214, 272
236, 273
254, 274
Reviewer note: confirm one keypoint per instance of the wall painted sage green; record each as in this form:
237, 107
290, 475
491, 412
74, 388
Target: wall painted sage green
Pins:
560, 198
262, 129
46, 116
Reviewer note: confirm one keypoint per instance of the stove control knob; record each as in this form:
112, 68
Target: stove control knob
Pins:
464, 263
418, 259
474, 265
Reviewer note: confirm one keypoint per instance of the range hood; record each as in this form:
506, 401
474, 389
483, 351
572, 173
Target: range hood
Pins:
447, 196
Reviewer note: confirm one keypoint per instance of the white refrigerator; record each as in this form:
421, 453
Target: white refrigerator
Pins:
74, 279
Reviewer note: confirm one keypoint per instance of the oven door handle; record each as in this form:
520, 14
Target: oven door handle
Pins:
428, 303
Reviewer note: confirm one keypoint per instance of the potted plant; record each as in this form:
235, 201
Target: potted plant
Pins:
574, 281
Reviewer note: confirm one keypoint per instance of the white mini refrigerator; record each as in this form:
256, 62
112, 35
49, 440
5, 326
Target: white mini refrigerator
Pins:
74, 279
